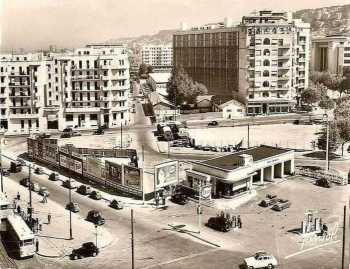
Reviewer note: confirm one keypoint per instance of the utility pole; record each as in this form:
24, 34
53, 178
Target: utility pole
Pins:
327, 145
248, 136
143, 154
121, 135
70, 211
1, 169
199, 206
96, 226
343, 248
132, 240
30, 197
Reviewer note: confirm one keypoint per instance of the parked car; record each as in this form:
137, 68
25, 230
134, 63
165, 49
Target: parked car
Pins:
84, 190
76, 133
15, 167
116, 204
44, 135
66, 135
35, 186
74, 207
220, 223
179, 198
95, 217
24, 182
5, 172
44, 191
39, 171
54, 177
86, 250
213, 123
99, 131
70, 184
96, 195
21, 161
269, 200
261, 260
281, 205
323, 182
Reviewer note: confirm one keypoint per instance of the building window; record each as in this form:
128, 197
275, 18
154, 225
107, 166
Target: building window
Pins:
266, 73
266, 84
22, 124
93, 116
114, 116
37, 123
266, 52
266, 63
69, 117
266, 41
122, 115
265, 94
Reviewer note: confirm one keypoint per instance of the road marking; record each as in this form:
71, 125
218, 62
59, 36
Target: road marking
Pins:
181, 258
309, 249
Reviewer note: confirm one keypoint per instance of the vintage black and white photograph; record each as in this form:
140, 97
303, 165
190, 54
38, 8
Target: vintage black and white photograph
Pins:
174, 134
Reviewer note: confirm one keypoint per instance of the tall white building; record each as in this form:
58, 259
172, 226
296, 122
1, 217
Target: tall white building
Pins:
160, 57
278, 60
84, 88
331, 54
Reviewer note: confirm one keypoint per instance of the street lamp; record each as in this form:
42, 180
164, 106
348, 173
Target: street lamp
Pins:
70, 211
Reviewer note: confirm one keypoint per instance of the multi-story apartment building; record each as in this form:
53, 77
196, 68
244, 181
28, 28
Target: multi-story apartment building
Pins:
262, 62
331, 54
160, 57
84, 88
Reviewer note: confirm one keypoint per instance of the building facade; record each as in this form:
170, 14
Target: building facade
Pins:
262, 62
160, 57
83, 89
331, 54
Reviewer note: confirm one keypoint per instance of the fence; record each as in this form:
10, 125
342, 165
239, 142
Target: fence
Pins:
322, 174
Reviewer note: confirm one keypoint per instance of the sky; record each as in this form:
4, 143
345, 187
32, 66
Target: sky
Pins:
36, 24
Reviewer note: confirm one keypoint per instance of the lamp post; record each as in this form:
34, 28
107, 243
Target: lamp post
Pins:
96, 226
30, 209
70, 211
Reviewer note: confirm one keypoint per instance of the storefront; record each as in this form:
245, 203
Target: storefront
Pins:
231, 175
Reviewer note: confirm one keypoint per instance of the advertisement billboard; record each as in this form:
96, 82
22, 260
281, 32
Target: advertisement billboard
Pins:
166, 174
71, 163
93, 166
132, 177
114, 172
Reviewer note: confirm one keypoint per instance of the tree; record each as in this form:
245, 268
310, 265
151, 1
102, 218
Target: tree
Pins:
145, 69
344, 86
342, 111
334, 138
311, 95
326, 103
181, 89
343, 127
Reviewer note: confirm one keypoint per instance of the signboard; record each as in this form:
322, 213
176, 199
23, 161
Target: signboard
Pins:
72, 164
132, 177
206, 192
114, 172
166, 174
94, 167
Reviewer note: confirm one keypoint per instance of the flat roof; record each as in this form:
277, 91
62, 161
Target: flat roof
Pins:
20, 227
161, 77
231, 161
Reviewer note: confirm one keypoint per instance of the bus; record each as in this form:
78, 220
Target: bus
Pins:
19, 237
6, 208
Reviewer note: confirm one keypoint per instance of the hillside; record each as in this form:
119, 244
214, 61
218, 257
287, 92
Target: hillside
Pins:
324, 21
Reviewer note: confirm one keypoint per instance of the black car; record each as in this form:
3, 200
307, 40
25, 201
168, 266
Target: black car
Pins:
99, 131
270, 199
116, 204
213, 123
54, 177
39, 171
323, 182
179, 198
281, 205
66, 135
84, 190
220, 223
96, 195
95, 217
15, 167
24, 182
74, 207
5, 172
88, 249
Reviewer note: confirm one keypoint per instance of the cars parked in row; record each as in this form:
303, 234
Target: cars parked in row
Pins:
70, 184
179, 198
43, 191
261, 259
269, 200
281, 205
84, 190
116, 204
95, 217
74, 207
54, 177
96, 195
86, 250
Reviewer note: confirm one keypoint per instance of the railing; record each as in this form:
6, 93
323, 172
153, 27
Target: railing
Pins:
322, 174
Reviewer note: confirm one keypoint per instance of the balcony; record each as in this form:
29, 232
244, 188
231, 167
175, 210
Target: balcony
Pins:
89, 78
19, 96
284, 56
18, 85
283, 67
23, 116
18, 74
51, 108
84, 90
285, 77
20, 106
83, 109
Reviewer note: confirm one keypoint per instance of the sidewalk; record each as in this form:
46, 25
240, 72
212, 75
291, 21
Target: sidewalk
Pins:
54, 237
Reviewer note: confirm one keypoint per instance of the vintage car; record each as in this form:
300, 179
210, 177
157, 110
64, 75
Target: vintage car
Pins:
96, 195
95, 217
323, 182
74, 207
84, 190
281, 205
86, 250
116, 204
179, 198
269, 200
222, 223
261, 260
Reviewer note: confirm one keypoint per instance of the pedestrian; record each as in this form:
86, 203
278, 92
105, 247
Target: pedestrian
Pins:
239, 221
44, 199
18, 196
49, 218
18, 209
234, 223
37, 245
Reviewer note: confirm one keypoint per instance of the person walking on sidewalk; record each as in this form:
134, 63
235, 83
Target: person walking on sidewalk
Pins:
18, 196
37, 245
239, 221
49, 218
44, 198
